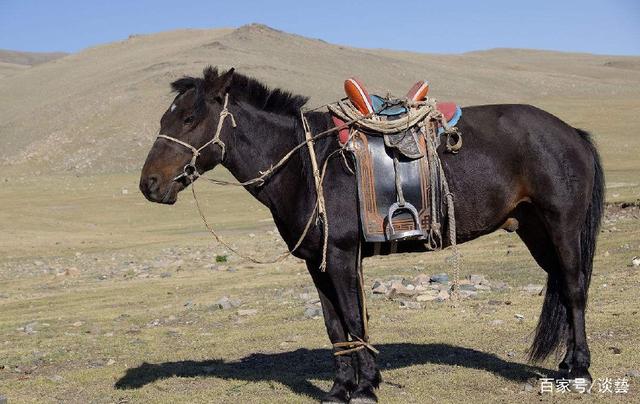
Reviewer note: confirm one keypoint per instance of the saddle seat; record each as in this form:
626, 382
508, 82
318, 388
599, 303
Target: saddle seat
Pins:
377, 105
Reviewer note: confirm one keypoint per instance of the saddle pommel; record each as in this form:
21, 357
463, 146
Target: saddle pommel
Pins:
358, 95
419, 91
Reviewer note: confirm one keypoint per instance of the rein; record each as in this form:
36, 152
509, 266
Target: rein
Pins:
191, 172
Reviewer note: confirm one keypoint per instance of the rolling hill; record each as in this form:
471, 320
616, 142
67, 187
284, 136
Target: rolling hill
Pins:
97, 111
12, 62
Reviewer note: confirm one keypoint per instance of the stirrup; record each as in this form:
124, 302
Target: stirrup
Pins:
390, 231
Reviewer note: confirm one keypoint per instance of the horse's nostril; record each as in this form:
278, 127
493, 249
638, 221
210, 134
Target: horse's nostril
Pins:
149, 184
153, 180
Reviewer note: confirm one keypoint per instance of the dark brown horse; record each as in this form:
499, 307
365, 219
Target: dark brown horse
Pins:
518, 163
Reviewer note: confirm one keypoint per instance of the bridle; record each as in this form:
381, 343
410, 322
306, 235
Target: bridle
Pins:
189, 170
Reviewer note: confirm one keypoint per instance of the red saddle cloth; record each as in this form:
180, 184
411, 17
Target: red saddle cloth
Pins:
360, 97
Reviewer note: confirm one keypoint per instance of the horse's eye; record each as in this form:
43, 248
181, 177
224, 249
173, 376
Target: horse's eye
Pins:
189, 120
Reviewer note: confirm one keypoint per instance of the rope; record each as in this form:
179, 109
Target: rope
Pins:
417, 112
455, 255
215, 140
322, 210
359, 343
301, 238
247, 257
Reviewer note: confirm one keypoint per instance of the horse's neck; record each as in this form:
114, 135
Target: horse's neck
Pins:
259, 142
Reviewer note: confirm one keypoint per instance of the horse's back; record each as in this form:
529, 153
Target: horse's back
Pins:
514, 153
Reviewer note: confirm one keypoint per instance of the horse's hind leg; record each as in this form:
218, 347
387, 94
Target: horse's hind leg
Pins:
556, 248
577, 361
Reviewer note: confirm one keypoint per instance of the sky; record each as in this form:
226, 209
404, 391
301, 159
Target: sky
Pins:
594, 26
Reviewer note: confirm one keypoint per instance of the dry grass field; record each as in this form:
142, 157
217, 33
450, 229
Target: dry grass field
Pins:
107, 298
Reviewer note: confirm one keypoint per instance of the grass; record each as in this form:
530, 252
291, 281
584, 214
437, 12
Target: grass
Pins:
133, 317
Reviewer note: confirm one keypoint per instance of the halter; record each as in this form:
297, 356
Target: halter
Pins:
190, 171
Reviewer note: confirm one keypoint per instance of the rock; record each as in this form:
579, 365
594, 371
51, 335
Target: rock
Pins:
499, 286
427, 297
247, 312
55, 379
477, 279
527, 387
635, 262
226, 303
519, 316
410, 287
615, 350
440, 278
124, 191
633, 373
312, 312
165, 275
533, 289
308, 296
607, 253
468, 287
496, 323
482, 287
406, 282
111, 362
410, 305
379, 288
30, 328
398, 289
443, 295
467, 294
422, 279
421, 288
154, 323
77, 324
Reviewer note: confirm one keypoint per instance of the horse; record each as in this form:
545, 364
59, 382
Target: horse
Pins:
518, 165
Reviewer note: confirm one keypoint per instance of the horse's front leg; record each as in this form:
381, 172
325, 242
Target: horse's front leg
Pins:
342, 270
345, 379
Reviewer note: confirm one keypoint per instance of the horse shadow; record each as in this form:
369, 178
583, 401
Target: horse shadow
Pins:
296, 368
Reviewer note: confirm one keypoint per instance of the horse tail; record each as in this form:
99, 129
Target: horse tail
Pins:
591, 226
553, 327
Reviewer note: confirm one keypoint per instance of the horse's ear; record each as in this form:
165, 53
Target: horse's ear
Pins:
224, 82
217, 86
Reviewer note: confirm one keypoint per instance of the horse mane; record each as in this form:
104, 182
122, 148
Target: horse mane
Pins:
247, 89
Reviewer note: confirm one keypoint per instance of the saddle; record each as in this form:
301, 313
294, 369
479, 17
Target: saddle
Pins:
398, 172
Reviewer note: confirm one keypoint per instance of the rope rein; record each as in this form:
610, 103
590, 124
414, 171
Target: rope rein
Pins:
418, 113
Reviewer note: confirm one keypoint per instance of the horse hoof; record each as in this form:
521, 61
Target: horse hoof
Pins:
363, 400
580, 373
335, 397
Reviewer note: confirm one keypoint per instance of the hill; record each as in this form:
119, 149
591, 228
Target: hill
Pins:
98, 110
12, 62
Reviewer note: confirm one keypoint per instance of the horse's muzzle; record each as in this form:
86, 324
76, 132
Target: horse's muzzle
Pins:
151, 188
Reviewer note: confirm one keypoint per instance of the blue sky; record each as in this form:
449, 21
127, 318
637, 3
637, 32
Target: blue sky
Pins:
596, 26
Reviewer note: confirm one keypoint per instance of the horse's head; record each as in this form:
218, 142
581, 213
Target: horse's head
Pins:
186, 126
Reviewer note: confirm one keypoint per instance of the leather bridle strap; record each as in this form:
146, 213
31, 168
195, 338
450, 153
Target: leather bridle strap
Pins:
190, 170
